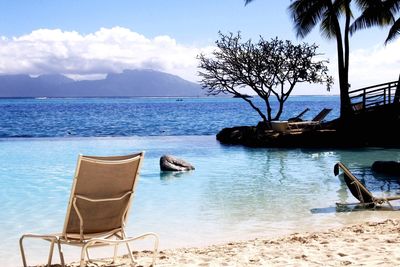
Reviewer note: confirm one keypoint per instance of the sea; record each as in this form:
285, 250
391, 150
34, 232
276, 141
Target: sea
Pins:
234, 193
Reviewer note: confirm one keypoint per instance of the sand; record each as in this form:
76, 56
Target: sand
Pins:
366, 244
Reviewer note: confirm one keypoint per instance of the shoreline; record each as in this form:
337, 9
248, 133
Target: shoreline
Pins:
363, 244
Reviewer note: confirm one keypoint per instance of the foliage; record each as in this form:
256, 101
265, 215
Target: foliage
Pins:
307, 14
378, 13
334, 17
268, 68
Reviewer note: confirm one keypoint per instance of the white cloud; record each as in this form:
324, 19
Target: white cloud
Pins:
107, 50
370, 66
375, 65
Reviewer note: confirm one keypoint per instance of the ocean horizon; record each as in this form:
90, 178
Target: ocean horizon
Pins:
67, 117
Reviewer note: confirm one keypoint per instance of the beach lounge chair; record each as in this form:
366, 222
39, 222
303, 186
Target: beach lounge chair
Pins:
101, 195
359, 191
298, 117
316, 121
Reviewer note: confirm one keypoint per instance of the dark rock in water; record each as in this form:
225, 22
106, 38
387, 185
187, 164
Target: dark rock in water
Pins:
235, 135
376, 127
386, 167
170, 163
262, 136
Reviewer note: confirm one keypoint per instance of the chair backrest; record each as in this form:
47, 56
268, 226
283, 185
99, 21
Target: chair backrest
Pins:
322, 114
357, 189
298, 117
101, 194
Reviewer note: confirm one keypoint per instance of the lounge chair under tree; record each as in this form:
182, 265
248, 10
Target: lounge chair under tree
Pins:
359, 191
101, 195
316, 121
298, 117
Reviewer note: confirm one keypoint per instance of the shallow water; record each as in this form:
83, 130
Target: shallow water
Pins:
234, 193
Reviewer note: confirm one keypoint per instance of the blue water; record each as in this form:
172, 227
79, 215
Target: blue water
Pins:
234, 193
139, 116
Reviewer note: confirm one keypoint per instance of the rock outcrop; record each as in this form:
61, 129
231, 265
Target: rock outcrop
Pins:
171, 163
377, 127
386, 167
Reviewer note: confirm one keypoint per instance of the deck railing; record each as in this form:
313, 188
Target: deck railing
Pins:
376, 95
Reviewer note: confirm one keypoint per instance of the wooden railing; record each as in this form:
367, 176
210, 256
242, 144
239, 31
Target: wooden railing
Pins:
376, 95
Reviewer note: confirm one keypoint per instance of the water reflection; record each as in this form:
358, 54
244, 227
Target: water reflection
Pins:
359, 163
273, 183
349, 208
375, 182
168, 175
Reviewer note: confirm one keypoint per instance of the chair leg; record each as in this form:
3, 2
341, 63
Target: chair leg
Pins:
50, 238
155, 253
115, 253
128, 248
82, 259
130, 253
50, 253
21, 247
60, 252
390, 205
87, 254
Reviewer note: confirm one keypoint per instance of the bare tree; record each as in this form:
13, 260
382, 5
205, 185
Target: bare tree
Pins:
269, 68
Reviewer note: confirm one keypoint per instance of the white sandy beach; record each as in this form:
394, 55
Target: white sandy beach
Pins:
365, 244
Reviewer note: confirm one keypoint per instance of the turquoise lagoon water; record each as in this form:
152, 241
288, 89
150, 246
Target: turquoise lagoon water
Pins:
234, 193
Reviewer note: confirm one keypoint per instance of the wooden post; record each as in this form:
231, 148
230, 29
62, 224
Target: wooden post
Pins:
397, 93
364, 92
384, 95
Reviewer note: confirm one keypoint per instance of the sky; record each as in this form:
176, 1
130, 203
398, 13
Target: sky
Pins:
85, 39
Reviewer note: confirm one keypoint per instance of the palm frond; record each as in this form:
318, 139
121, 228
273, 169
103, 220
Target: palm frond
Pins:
306, 14
327, 27
393, 5
364, 4
373, 16
375, 13
247, 2
394, 31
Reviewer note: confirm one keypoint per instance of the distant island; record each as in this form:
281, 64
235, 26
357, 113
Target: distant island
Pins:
129, 83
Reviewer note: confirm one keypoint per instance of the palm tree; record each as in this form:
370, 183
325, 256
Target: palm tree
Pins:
378, 13
307, 14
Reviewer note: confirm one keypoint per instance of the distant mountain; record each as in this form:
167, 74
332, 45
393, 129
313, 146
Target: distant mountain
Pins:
128, 83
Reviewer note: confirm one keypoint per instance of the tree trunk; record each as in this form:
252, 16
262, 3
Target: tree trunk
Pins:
254, 107
345, 109
269, 109
279, 113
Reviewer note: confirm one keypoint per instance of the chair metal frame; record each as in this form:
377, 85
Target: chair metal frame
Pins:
362, 190
113, 237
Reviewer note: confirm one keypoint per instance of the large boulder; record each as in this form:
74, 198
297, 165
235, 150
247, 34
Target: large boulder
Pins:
386, 167
170, 163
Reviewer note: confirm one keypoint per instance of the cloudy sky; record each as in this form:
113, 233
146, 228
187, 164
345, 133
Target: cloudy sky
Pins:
85, 39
